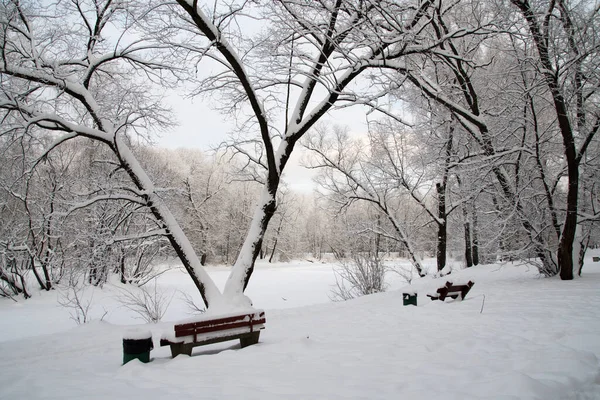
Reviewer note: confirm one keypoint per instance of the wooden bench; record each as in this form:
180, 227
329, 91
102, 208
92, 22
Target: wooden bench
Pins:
245, 327
451, 290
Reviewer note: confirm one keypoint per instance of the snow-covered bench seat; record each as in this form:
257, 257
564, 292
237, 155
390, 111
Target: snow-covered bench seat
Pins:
208, 329
451, 290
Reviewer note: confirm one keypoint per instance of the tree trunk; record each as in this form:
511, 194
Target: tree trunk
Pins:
227, 246
468, 245
277, 232
442, 238
475, 237
273, 251
122, 266
565, 246
267, 205
585, 242
378, 237
204, 245
38, 278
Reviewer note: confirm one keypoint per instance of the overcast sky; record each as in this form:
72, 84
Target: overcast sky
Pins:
203, 128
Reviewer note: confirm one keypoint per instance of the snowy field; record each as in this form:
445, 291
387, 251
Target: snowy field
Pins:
535, 339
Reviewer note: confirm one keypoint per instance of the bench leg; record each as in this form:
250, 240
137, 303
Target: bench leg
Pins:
187, 349
249, 339
175, 349
180, 348
463, 293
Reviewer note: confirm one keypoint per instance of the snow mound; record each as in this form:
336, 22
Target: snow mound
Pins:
536, 338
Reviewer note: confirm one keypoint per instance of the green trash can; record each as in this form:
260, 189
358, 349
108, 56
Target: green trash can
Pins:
409, 299
137, 345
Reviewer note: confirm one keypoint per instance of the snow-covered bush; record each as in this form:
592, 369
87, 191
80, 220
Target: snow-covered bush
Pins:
148, 304
362, 275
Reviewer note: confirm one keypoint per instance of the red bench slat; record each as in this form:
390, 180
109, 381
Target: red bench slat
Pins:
220, 324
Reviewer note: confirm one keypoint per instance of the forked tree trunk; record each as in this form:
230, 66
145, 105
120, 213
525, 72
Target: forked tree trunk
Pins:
299, 122
244, 265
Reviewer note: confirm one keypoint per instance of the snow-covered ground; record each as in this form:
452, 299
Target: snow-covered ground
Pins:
535, 339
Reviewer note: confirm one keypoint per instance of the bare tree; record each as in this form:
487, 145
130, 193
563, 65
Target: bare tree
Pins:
410, 162
571, 77
314, 51
87, 85
350, 175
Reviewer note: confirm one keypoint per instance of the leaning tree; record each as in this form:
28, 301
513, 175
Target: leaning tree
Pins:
83, 69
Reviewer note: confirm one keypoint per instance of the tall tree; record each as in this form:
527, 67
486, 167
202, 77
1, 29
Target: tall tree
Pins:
314, 52
571, 77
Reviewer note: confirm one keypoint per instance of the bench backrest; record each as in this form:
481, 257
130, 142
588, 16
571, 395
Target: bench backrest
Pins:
220, 324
